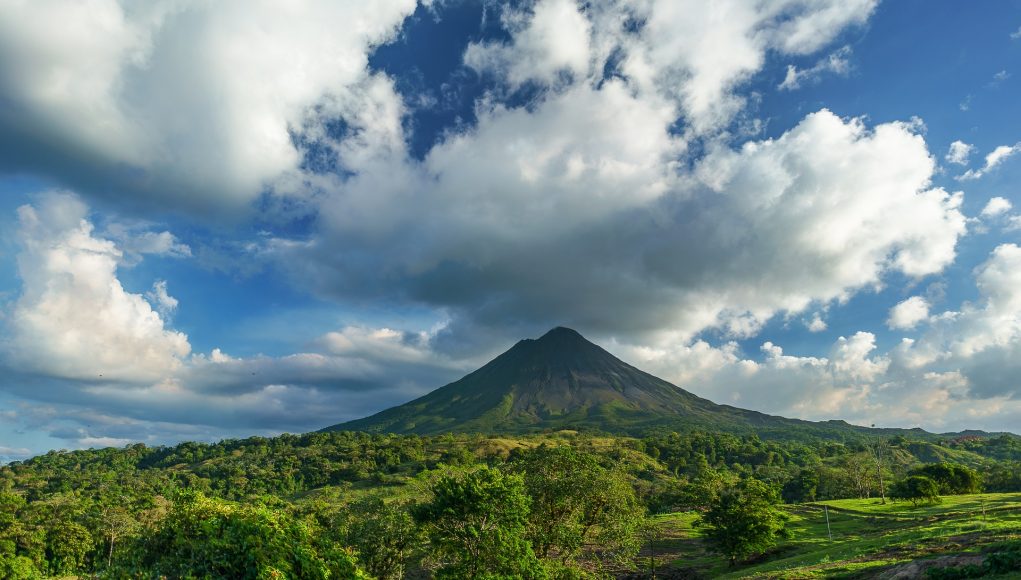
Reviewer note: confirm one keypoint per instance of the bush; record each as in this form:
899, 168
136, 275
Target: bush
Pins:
950, 478
916, 489
203, 537
17, 568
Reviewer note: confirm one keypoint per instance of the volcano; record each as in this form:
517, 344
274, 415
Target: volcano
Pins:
563, 381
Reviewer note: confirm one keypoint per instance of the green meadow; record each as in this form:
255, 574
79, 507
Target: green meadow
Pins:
868, 537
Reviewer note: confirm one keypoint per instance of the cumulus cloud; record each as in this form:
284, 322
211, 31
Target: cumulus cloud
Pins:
550, 39
993, 160
165, 303
507, 224
355, 370
907, 314
838, 63
74, 319
995, 319
100, 364
964, 359
698, 53
817, 324
996, 206
189, 104
617, 199
598, 155
981, 340
852, 381
345, 374
689, 53
959, 153
839, 384
139, 239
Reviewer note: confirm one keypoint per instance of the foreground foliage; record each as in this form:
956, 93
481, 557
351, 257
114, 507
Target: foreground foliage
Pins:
476, 525
202, 537
565, 504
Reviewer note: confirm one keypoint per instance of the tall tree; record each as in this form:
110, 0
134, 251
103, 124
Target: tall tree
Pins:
384, 535
743, 520
879, 449
476, 524
577, 501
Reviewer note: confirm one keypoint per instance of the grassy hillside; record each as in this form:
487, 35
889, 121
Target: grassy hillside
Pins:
869, 538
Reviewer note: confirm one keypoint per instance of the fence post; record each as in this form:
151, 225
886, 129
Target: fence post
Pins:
826, 510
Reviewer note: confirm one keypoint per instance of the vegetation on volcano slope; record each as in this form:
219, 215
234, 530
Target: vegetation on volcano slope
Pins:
342, 505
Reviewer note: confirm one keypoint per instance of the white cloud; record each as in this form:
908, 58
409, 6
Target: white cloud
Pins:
995, 320
78, 342
996, 206
1016, 34
960, 372
839, 384
73, 318
691, 54
165, 303
586, 206
552, 39
139, 239
582, 192
381, 344
959, 152
1000, 154
993, 159
907, 314
817, 324
188, 104
852, 382
13, 453
838, 63
698, 52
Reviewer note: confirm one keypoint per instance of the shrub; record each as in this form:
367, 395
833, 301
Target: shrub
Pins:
916, 489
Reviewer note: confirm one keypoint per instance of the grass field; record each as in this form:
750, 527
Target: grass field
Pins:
869, 537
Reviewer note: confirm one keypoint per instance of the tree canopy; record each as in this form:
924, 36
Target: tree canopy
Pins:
743, 520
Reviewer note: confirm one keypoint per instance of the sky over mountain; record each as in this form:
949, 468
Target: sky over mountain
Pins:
232, 218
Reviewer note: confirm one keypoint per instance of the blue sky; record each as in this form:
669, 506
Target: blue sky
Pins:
234, 218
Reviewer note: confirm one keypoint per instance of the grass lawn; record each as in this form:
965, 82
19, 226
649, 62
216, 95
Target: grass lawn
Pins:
867, 536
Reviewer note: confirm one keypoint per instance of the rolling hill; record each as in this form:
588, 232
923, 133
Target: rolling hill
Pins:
563, 381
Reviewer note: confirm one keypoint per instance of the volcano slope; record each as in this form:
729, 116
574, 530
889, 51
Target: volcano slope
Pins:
563, 381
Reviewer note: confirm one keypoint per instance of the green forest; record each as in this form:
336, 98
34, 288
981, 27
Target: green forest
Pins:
560, 504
